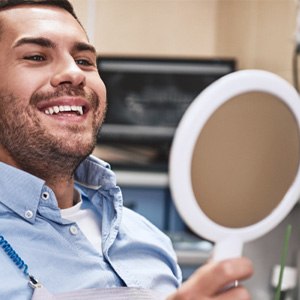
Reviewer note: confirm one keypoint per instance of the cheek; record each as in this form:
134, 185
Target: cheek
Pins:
100, 90
22, 84
95, 83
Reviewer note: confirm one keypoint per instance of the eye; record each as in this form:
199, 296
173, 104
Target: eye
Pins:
84, 62
35, 57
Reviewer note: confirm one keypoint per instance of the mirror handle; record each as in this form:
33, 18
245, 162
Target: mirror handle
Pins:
228, 247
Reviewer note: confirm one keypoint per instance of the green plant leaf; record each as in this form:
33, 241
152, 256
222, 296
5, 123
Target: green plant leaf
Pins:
284, 253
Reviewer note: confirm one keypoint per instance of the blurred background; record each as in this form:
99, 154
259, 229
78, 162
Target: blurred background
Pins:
155, 57
258, 33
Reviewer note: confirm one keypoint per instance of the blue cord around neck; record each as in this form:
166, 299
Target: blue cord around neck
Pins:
16, 259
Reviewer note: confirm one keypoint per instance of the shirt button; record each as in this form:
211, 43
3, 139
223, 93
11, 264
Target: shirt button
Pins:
28, 214
45, 196
73, 230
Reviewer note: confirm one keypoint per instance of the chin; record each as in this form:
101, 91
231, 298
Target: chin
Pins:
80, 148
77, 146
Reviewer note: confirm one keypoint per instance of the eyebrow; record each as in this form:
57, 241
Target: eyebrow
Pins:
84, 47
44, 42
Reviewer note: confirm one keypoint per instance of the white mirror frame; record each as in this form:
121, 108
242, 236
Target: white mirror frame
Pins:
229, 241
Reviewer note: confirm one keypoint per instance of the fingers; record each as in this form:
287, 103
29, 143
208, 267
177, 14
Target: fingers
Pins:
238, 293
217, 275
209, 281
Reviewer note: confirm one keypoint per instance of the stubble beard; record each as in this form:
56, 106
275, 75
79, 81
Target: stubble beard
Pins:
34, 148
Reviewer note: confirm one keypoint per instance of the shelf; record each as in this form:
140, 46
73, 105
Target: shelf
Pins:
142, 179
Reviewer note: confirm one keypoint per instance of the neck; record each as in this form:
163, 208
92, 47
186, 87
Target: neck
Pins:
64, 191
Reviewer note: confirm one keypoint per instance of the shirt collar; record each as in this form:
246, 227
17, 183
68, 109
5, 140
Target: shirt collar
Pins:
94, 173
21, 192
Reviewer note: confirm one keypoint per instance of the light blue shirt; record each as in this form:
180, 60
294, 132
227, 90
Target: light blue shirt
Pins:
133, 252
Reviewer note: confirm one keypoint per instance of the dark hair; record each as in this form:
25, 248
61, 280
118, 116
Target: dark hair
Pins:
65, 4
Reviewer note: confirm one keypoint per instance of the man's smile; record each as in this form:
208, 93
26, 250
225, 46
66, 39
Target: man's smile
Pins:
64, 109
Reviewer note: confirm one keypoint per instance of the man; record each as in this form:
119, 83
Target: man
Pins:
61, 214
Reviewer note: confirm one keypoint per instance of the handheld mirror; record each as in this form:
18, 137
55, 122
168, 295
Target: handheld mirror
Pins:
234, 161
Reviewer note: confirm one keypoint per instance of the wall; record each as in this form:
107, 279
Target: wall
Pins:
150, 27
259, 33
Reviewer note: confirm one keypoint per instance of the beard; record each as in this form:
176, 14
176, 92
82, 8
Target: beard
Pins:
37, 150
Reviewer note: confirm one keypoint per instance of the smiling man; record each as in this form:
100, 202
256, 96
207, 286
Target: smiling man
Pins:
61, 214
52, 99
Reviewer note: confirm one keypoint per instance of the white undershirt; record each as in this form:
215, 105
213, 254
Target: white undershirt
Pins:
87, 221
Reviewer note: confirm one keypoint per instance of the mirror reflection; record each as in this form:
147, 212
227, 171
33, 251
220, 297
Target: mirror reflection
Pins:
245, 159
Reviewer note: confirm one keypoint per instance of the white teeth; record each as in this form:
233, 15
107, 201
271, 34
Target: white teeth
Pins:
56, 109
62, 108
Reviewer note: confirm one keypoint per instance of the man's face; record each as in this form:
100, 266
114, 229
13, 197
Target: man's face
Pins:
52, 100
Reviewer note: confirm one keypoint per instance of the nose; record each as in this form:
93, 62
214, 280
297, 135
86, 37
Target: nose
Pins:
68, 72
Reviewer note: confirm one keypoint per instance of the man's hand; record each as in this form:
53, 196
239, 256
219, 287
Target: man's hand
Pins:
209, 281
